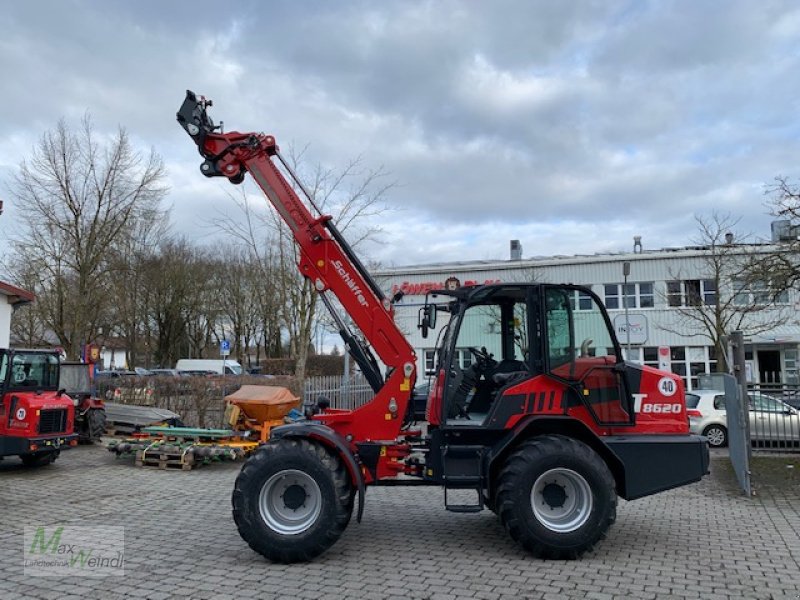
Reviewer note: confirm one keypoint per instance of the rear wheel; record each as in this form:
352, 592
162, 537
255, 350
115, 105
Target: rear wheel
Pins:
292, 500
556, 497
717, 436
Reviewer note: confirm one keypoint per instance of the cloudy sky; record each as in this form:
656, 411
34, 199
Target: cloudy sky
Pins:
571, 126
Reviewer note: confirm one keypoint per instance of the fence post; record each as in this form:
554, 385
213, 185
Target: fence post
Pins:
739, 444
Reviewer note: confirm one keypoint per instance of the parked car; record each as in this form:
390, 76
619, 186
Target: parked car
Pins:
125, 387
165, 372
114, 374
706, 411
215, 365
771, 420
792, 399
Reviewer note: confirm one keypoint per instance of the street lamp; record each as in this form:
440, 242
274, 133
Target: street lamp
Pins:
626, 271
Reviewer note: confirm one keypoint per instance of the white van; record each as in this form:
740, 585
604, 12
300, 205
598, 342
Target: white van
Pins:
209, 365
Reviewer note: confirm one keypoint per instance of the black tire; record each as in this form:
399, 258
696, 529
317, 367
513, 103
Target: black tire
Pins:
318, 486
40, 459
96, 424
717, 435
556, 497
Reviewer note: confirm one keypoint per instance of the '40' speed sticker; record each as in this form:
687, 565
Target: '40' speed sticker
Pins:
667, 386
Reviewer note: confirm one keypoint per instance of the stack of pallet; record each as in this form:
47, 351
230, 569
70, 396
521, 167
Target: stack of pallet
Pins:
182, 448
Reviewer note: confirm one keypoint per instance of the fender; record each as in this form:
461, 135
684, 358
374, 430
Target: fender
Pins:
326, 435
562, 425
88, 403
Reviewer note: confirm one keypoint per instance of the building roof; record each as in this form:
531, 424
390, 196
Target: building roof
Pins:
16, 295
542, 261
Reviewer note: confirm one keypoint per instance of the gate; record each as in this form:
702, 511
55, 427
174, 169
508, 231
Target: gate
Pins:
342, 392
774, 417
736, 408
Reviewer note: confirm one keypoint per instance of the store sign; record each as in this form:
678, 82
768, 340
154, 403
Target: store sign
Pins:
638, 328
410, 288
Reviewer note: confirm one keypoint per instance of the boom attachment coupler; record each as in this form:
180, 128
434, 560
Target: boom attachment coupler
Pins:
224, 155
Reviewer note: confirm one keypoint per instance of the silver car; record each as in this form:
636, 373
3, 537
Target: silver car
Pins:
771, 420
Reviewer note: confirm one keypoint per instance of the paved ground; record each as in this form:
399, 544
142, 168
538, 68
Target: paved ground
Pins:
703, 541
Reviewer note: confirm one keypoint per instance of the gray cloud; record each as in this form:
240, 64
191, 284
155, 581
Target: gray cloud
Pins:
569, 125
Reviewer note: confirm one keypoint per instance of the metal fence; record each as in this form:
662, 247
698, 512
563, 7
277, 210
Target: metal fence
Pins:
774, 416
342, 392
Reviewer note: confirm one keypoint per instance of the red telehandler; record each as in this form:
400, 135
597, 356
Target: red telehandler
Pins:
547, 426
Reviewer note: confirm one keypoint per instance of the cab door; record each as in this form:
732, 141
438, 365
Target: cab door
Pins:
582, 352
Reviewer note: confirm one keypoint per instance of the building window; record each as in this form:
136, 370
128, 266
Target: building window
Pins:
581, 301
647, 355
757, 293
430, 362
463, 359
634, 295
692, 292
691, 361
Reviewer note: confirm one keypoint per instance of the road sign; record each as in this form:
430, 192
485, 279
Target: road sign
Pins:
224, 348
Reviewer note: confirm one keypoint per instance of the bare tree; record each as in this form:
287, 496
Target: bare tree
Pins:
127, 285
729, 294
28, 325
783, 264
181, 301
239, 282
78, 199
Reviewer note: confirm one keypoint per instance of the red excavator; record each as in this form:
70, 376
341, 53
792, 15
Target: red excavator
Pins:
546, 426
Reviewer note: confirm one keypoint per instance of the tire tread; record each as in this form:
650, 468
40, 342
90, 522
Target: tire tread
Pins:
245, 502
525, 457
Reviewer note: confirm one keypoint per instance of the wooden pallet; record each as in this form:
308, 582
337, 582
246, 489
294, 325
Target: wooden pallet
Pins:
122, 431
154, 458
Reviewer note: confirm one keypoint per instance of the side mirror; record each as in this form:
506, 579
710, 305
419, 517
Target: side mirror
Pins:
427, 319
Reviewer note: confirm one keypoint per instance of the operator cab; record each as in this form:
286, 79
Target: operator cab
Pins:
501, 336
22, 370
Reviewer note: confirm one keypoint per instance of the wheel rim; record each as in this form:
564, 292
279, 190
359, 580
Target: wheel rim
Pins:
716, 437
561, 500
290, 502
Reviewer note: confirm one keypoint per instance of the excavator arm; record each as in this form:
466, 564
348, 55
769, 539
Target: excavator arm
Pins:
328, 261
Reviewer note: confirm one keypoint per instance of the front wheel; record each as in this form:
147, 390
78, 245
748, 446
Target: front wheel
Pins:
556, 497
292, 500
40, 459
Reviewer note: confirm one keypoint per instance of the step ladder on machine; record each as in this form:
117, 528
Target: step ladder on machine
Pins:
463, 470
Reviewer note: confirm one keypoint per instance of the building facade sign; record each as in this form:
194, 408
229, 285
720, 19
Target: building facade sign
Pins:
638, 328
414, 288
